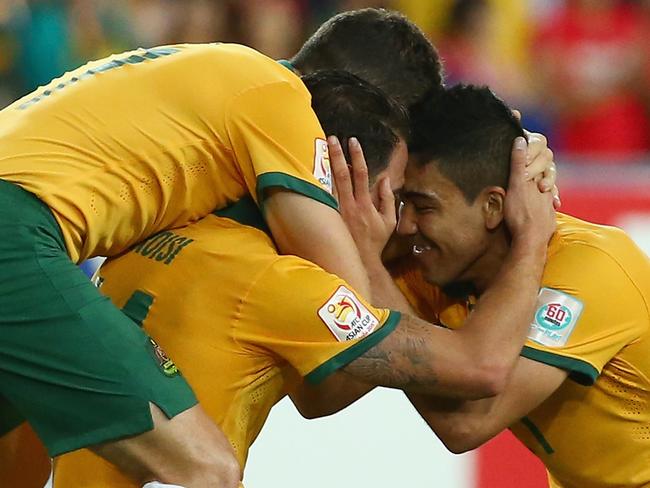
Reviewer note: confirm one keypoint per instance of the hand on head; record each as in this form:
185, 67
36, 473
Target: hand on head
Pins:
371, 221
528, 212
541, 167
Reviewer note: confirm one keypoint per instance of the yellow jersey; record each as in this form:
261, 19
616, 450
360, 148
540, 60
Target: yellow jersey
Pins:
592, 320
153, 139
234, 316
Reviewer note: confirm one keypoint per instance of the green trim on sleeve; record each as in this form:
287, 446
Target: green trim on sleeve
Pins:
292, 183
538, 435
580, 371
246, 212
137, 306
353, 352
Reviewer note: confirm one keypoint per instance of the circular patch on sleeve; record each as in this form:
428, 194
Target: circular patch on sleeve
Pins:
555, 317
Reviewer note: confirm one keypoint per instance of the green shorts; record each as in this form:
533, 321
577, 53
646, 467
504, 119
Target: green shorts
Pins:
72, 364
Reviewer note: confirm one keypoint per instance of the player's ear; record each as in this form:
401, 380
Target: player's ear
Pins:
493, 198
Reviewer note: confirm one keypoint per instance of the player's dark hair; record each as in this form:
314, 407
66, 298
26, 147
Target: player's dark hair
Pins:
348, 106
467, 132
380, 46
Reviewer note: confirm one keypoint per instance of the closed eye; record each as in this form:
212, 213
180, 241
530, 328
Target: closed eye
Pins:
424, 205
421, 203
424, 208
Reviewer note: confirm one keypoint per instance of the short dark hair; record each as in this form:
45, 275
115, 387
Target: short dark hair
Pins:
378, 45
348, 106
467, 132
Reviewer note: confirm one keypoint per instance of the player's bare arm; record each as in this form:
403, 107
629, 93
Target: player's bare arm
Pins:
335, 393
301, 226
465, 425
420, 357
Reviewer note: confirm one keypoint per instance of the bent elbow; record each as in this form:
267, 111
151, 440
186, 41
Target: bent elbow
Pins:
311, 411
495, 383
490, 380
479, 374
314, 414
306, 414
460, 446
459, 440
476, 383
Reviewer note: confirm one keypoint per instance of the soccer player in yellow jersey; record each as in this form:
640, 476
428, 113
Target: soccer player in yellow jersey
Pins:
241, 320
579, 397
97, 161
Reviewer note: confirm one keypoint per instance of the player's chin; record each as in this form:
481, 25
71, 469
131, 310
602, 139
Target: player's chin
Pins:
443, 273
434, 266
436, 274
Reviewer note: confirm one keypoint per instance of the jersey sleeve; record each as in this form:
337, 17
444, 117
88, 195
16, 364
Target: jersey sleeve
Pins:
587, 310
278, 142
310, 318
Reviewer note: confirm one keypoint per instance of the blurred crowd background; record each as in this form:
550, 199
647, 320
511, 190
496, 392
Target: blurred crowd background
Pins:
579, 70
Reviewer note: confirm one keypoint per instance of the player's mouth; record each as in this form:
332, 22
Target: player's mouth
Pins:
420, 249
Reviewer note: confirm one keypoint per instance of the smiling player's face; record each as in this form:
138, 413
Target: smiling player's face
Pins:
448, 234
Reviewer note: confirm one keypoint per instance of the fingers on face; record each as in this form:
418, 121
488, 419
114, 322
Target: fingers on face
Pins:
340, 171
351, 180
387, 200
359, 169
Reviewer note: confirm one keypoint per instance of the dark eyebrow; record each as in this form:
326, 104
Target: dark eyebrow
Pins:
409, 194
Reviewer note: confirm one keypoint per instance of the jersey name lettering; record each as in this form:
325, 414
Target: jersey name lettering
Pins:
163, 247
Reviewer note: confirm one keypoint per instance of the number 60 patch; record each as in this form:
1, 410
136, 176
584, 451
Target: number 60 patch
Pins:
555, 317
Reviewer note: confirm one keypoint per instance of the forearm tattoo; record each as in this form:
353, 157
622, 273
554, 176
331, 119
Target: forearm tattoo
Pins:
402, 360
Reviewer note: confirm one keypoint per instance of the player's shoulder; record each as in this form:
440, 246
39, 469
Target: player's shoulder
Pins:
574, 230
606, 255
578, 235
239, 64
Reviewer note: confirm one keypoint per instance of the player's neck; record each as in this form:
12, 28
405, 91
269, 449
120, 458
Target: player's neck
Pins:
487, 267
